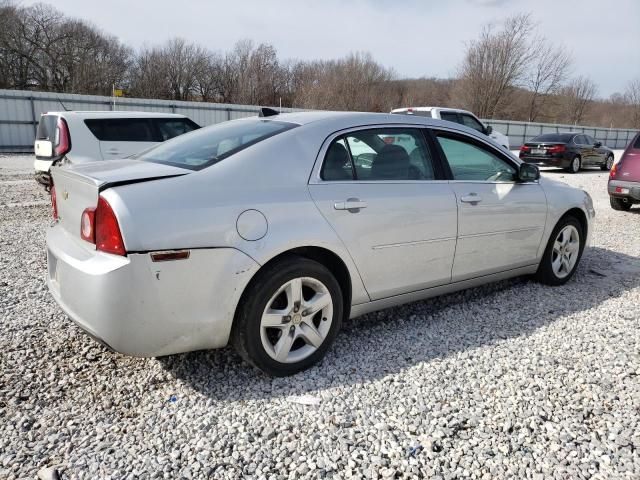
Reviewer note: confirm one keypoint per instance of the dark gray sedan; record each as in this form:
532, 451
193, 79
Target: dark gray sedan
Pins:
570, 151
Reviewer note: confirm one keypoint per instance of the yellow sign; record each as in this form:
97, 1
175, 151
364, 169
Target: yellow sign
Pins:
118, 92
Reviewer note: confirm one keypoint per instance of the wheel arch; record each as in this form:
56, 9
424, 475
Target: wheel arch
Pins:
325, 257
579, 215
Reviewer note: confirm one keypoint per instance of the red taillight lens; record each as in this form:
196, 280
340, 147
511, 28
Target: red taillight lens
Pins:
557, 149
107, 230
87, 223
63, 143
525, 148
613, 171
99, 225
54, 203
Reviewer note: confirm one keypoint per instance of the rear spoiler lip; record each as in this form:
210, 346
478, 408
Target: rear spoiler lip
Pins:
121, 183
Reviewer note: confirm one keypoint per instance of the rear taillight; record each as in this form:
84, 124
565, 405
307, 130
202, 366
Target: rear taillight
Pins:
63, 140
99, 225
524, 149
54, 203
613, 171
557, 149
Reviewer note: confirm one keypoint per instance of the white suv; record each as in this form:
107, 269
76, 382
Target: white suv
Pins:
458, 116
76, 137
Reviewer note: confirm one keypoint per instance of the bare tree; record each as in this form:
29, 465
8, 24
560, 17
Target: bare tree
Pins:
495, 64
549, 68
577, 97
632, 98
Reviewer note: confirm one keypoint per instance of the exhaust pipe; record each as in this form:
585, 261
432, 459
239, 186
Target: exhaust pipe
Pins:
625, 200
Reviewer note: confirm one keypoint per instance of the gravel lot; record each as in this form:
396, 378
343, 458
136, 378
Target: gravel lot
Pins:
514, 380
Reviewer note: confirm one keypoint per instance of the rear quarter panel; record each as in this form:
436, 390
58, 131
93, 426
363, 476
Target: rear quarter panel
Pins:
200, 210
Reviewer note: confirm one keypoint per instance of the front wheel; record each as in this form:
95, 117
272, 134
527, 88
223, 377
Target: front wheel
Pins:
288, 317
563, 252
606, 166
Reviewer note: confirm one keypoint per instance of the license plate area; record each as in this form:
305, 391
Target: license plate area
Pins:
538, 151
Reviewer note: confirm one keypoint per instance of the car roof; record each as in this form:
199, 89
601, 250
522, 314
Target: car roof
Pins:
428, 109
349, 119
114, 114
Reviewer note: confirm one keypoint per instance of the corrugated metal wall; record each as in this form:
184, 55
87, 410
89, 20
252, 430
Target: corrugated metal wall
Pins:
21, 110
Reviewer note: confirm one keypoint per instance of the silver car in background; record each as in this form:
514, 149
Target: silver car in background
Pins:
269, 232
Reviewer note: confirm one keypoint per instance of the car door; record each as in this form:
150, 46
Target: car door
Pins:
390, 206
595, 155
585, 149
500, 221
121, 137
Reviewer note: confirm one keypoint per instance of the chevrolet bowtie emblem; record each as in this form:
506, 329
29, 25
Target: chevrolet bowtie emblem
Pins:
65, 194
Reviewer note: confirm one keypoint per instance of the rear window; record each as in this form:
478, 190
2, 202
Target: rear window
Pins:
122, 129
47, 127
207, 146
636, 145
553, 137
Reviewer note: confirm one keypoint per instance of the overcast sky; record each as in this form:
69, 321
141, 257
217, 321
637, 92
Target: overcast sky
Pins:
414, 37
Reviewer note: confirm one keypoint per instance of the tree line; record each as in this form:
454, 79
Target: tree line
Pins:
508, 72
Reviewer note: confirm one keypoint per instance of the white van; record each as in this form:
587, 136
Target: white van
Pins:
76, 137
463, 117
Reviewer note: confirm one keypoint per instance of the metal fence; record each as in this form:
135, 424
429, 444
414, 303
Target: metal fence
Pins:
21, 110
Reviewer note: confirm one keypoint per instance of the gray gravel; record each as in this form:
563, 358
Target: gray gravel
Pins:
513, 380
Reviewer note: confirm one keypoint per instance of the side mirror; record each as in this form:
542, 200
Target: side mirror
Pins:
488, 129
43, 149
597, 144
528, 173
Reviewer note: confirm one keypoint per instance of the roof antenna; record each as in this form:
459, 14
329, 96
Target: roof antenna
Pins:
267, 112
63, 106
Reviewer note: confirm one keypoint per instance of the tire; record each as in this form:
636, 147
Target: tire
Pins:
575, 165
618, 204
288, 340
548, 272
608, 163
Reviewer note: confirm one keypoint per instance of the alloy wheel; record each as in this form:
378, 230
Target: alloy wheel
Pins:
296, 320
566, 250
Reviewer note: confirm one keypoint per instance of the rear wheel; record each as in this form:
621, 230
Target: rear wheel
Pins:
606, 166
619, 204
574, 166
288, 317
563, 252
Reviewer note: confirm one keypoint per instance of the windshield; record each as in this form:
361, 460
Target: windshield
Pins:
204, 147
554, 137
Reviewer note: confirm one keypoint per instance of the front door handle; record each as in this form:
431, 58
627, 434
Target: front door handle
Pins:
352, 204
472, 198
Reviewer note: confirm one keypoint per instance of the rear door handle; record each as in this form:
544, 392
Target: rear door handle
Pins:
472, 198
352, 204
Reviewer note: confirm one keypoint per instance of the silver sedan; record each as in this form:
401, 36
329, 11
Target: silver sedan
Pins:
269, 232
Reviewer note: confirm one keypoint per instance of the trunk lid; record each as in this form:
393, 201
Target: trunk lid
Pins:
79, 186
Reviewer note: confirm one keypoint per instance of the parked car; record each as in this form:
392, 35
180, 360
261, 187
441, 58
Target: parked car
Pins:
570, 151
77, 137
624, 178
185, 247
462, 117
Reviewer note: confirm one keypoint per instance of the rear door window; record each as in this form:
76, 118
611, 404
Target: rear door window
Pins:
389, 154
122, 129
